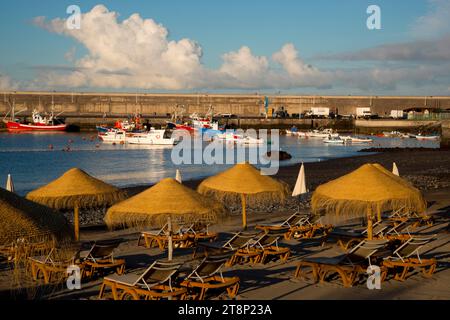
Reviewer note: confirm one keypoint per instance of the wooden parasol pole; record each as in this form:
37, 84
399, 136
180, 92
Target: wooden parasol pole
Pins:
369, 223
76, 221
244, 213
170, 245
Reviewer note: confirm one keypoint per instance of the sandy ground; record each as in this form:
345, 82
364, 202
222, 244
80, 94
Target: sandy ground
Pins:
430, 170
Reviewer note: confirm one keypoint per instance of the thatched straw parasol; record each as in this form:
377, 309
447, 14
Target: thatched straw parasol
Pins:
370, 188
76, 189
21, 218
167, 198
244, 182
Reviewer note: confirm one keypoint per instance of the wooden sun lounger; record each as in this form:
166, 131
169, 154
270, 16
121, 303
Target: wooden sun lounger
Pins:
236, 244
267, 246
347, 267
184, 237
299, 226
381, 229
155, 283
7, 252
53, 266
294, 219
98, 257
207, 276
406, 259
200, 233
162, 241
311, 228
101, 257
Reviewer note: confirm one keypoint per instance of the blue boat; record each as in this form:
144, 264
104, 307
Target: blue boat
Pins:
102, 129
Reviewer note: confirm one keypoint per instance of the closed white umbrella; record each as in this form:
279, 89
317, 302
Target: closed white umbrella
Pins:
178, 176
395, 169
9, 184
300, 185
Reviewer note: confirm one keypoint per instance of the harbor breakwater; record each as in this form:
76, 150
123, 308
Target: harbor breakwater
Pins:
93, 105
84, 110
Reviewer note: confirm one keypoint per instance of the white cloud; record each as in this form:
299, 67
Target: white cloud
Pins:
437, 49
139, 46
435, 22
243, 65
6, 83
70, 55
288, 58
137, 53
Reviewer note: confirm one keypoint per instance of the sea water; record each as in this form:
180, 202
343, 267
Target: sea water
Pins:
34, 159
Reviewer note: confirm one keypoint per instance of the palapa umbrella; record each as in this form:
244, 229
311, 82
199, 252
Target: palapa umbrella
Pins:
156, 205
21, 218
370, 188
395, 169
166, 198
244, 183
9, 184
300, 185
76, 189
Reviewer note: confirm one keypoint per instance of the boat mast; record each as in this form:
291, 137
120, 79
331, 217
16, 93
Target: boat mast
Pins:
13, 116
53, 104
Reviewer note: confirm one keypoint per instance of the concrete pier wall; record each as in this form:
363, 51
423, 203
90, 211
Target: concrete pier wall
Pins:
122, 104
88, 109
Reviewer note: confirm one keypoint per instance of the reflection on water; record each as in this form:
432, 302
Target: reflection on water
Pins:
35, 159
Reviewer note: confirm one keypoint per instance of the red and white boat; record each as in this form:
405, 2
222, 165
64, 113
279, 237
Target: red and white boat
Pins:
179, 126
204, 123
39, 123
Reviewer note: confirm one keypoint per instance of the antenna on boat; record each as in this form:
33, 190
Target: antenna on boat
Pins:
11, 110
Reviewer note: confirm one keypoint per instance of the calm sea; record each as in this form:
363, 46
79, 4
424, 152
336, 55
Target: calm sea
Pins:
34, 159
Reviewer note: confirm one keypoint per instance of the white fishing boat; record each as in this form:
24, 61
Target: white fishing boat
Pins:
290, 132
392, 134
325, 133
334, 140
350, 139
113, 136
251, 140
423, 137
152, 137
231, 137
206, 122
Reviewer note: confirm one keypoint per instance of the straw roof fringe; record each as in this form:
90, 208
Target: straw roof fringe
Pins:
21, 218
261, 198
370, 186
77, 187
168, 197
84, 201
244, 178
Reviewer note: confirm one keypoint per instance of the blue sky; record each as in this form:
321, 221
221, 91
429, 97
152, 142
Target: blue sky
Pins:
320, 32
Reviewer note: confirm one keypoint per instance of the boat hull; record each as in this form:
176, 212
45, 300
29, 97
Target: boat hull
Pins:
15, 126
113, 137
156, 137
427, 137
151, 141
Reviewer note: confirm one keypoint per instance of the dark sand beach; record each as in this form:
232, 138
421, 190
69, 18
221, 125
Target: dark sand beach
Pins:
429, 170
